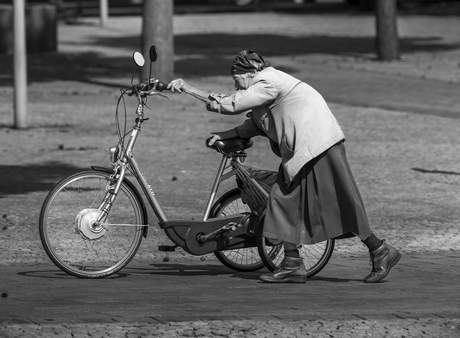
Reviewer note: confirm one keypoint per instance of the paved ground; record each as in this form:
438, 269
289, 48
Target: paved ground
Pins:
418, 299
204, 299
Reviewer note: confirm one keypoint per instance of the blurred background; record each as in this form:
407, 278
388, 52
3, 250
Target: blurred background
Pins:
72, 8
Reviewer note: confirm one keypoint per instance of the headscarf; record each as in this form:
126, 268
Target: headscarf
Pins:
241, 63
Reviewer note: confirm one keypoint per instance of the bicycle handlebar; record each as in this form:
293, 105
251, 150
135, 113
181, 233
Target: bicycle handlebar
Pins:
149, 87
161, 86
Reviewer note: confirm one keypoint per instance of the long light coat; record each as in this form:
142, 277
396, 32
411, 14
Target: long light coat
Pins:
293, 115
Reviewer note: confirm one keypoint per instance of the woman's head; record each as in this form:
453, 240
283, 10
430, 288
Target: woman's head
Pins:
245, 65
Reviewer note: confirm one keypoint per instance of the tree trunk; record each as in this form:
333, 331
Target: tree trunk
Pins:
387, 42
157, 29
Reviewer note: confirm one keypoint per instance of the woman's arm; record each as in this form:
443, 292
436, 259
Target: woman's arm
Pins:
260, 93
246, 130
221, 135
179, 86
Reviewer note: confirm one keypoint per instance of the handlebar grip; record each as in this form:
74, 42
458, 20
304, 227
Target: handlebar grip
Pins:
161, 86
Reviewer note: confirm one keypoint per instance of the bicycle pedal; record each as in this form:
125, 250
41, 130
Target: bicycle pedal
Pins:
167, 247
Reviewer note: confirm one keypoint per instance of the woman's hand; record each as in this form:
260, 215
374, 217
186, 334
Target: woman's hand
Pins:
212, 106
211, 139
178, 85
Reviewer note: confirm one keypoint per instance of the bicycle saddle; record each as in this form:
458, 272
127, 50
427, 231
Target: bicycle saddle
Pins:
231, 145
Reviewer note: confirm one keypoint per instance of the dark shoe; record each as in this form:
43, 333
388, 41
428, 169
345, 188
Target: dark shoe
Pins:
291, 270
382, 259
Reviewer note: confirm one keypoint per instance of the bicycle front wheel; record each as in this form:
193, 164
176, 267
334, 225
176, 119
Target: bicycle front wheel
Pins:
315, 256
70, 235
244, 259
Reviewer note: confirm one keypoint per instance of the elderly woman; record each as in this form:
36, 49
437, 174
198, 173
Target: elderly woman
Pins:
315, 196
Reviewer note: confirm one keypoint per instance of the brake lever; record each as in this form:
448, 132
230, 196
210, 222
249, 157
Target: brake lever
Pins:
153, 92
158, 93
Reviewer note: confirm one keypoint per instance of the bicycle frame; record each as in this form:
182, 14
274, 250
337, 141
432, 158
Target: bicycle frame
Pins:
196, 237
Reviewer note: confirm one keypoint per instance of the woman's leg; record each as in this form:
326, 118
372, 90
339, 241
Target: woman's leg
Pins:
371, 241
292, 269
290, 250
383, 257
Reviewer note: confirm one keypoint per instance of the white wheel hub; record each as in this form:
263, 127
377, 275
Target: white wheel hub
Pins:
87, 225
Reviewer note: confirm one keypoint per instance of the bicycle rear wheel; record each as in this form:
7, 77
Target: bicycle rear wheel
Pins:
315, 256
70, 236
244, 259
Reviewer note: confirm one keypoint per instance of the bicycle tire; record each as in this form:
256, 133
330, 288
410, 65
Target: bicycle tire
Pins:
244, 259
316, 256
65, 226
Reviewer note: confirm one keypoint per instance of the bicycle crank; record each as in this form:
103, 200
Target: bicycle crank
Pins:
87, 225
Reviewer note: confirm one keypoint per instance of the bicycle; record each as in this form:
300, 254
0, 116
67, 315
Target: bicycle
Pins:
92, 223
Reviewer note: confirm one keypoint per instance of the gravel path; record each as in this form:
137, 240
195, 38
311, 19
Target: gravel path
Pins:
408, 328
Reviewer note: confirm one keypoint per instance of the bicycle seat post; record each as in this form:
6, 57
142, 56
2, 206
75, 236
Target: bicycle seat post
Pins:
239, 156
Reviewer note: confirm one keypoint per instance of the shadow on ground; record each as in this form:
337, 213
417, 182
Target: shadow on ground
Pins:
22, 179
215, 52
56, 274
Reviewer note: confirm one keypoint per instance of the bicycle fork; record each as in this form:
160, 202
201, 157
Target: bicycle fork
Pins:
116, 178
112, 190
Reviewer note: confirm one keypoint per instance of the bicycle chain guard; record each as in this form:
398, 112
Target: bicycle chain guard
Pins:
223, 237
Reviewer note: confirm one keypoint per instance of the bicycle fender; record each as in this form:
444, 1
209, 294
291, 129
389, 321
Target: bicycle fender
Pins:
259, 222
136, 192
221, 199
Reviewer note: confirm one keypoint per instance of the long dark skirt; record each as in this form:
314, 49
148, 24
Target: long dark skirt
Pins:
322, 202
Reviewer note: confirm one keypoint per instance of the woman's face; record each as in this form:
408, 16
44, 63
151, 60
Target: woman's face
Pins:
242, 81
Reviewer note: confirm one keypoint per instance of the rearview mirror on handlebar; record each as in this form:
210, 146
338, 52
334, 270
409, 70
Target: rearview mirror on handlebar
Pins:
153, 53
138, 59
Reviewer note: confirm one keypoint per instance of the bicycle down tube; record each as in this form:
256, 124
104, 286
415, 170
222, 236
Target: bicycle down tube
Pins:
148, 189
